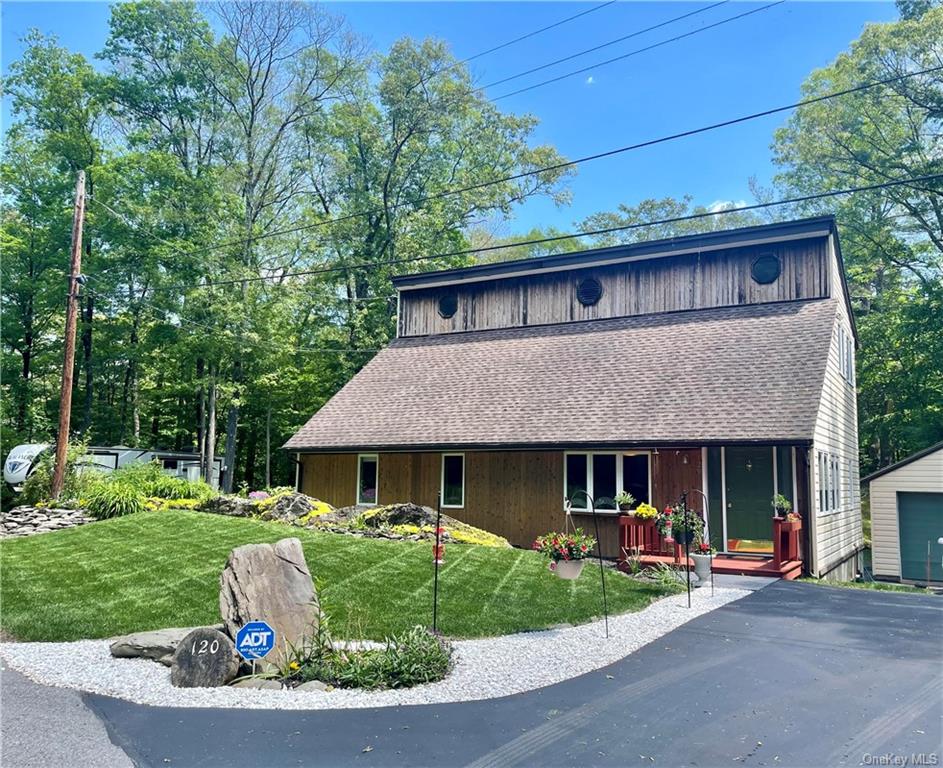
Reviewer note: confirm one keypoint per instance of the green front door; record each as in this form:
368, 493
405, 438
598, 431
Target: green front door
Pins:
920, 517
749, 485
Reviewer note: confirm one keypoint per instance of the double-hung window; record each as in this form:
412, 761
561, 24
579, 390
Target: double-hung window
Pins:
367, 478
832, 494
453, 480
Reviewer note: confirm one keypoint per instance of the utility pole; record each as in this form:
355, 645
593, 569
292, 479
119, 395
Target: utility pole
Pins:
72, 308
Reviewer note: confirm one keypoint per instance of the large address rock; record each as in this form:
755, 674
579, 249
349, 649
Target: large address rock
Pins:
270, 583
205, 658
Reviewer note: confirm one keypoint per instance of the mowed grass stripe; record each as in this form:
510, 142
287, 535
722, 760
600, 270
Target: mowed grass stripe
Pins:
161, 569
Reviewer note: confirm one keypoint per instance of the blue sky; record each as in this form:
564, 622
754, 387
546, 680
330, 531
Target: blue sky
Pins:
748, 65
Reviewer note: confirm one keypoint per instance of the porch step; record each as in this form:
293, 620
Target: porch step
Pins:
737, 566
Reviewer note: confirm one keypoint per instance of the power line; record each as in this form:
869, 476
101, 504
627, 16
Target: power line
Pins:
564, 164
599, 47
595, 232
538, 31
659, 44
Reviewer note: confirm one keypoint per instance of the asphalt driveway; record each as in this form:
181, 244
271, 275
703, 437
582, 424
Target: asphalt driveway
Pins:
792, 675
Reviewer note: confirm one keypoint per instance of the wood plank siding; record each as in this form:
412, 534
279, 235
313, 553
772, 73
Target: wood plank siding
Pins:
690, 281
516, 494
838, 533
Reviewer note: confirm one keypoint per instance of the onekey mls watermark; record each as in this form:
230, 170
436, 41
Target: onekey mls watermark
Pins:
902, 761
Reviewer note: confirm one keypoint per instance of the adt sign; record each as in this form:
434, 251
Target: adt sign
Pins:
255, 640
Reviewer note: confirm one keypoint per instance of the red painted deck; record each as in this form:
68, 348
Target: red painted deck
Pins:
640, 539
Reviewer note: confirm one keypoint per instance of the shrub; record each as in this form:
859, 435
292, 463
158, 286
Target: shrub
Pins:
113, 498
410, 658
151, 480
38, 486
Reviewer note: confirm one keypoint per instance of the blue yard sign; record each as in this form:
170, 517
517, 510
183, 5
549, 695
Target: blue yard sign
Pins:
255, 640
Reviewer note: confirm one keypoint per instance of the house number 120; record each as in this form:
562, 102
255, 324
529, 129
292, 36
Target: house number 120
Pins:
206, 645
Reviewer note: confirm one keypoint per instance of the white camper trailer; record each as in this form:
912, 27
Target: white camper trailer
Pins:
23, 460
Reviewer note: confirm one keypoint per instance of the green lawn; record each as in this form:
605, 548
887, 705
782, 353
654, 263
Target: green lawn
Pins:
161, 569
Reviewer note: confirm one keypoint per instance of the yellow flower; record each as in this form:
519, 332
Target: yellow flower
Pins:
294, 665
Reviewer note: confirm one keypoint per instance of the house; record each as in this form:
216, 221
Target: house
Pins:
907, 518
720, 364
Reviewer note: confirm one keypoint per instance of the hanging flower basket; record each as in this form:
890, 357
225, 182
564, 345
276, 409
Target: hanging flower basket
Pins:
567, 569
566, 552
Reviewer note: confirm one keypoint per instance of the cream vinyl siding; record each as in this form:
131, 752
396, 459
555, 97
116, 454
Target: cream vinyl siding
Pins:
924, 475
838, 533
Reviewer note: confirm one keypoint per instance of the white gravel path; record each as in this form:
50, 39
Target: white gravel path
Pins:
483, 669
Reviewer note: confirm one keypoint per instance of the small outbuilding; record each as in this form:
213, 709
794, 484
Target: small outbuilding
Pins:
907, 518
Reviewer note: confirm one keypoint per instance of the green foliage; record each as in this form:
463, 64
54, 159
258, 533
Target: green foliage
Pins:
199, 156
150, 479
112, 498
892, 239
410, 658
38, 486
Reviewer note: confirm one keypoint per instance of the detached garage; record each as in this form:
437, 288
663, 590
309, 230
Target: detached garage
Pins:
907, 518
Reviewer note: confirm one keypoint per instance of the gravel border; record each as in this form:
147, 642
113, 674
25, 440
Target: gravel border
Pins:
483, 669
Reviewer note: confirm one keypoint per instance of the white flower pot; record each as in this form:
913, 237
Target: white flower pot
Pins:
702, 567
567, 569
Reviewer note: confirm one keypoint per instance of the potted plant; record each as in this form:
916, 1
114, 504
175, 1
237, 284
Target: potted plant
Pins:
566, 551
680, 525
626, 502
702, 556
781, 506
646, 512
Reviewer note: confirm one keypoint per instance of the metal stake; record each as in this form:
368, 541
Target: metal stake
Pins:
602, 574
435, 558
687, 543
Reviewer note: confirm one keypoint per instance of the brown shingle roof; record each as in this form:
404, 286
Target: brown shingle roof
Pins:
751, 373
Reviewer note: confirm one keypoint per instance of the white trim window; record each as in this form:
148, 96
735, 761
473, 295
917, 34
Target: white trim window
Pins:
602, 475
453, 480
846, 356
832, 497
368, 478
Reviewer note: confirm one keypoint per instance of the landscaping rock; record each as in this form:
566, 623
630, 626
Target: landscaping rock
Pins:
400, 514
313, 685
233, 506
205, 658
158, 645
260, 684
271, 583
289, 507
26, 520
339, 517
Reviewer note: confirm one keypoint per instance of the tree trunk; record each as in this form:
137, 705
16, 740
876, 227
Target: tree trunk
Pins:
251, 447
268, 447
200, 410
232, 425
210, 453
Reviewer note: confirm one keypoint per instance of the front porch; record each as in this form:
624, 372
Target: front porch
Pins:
641, 543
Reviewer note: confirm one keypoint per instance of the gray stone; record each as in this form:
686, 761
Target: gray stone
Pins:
313, 685
288, 508
233, 506
259, 683
271, 583
205, 658
158, 645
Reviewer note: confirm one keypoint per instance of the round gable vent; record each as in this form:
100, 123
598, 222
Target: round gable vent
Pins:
588, 291
448, 305
765, 268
